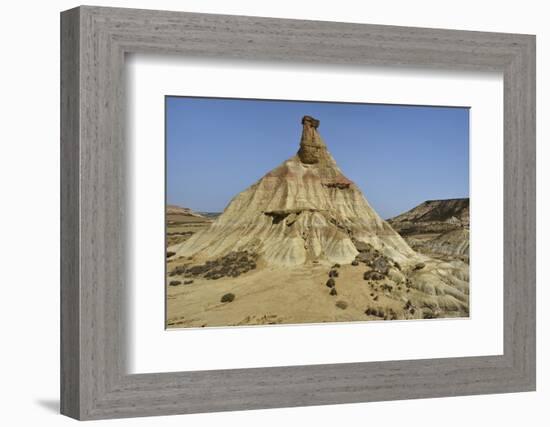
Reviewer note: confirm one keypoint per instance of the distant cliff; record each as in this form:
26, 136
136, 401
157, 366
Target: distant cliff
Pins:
437, 227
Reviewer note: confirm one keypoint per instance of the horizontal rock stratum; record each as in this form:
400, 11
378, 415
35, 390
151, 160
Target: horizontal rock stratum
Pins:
302, 211
437, 227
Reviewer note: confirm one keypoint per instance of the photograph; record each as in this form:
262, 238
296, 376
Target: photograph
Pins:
307, 212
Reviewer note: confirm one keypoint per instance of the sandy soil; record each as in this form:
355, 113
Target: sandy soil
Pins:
270, 295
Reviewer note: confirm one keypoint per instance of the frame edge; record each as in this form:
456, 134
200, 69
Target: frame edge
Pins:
70, 396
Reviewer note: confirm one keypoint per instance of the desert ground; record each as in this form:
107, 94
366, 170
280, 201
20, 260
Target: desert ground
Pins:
267, 295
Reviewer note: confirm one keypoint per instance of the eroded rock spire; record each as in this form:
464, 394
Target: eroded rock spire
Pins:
312, 148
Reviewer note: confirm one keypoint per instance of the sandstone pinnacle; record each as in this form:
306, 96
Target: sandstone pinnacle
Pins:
312, 148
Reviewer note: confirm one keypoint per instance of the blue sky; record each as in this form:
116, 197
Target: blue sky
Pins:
398, 155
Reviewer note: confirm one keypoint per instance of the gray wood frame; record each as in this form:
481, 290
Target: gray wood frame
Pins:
94, 382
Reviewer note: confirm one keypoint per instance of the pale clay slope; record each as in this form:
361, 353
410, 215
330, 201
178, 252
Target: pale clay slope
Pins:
454, 242
299, 219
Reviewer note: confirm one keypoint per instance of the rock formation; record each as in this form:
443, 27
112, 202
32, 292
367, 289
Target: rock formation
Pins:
304, 210
178, 210
312, 148
437, 227
435, 215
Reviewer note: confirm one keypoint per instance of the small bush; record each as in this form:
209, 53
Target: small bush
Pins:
175, 283
333, 292
228, 297
170, 254
331, 283
333, 273
187, 282
355, 262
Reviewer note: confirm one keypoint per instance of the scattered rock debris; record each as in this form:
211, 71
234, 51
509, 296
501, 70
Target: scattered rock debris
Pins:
232, 265
419, 266
377, 312
386, 287
342, 304
333, 273
228, 297
373, 275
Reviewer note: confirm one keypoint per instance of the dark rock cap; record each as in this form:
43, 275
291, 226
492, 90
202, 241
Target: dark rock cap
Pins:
314, 123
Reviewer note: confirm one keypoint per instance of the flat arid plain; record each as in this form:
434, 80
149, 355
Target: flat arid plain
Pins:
303, 245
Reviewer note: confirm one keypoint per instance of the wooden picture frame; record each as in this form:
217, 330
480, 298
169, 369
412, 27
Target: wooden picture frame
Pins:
94, 382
